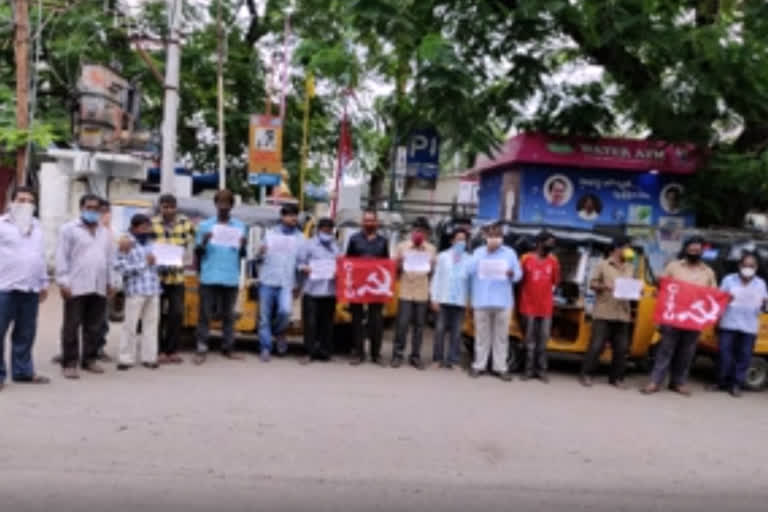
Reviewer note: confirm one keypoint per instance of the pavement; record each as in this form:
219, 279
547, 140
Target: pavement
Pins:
245, 436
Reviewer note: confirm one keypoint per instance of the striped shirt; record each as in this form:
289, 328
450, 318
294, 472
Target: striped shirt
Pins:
180, 233
139, 278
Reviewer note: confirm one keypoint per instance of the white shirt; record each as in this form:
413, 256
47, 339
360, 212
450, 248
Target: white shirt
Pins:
83, 259
22, 257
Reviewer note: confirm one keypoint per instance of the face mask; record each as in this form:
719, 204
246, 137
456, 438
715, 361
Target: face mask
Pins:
22, 214
494, 242
548, 249
90, 217
460, 247
747, 272
369, 229
693, 258
326, 238
287, 229
143, 238
417, 238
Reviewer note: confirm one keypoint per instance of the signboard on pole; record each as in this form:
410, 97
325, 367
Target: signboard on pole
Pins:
423, 156
265, 150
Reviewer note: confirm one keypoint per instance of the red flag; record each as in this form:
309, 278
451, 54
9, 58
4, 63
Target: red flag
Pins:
345, 157
365, 280
689, 306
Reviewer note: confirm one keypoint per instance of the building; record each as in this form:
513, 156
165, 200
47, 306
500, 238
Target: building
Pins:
581, 182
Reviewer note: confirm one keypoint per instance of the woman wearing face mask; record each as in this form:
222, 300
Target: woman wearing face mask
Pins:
739, 325
678, 346
448, 293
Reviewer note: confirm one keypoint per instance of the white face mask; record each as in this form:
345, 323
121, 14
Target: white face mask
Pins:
747, 272
494, 242
22, 215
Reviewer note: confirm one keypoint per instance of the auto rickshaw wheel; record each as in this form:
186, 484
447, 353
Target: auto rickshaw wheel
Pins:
757, 374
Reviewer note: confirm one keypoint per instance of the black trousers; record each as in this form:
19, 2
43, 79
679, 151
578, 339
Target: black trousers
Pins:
318, 313
171, 312
86, 312
617, 334
409, 314
375, 328
217, 300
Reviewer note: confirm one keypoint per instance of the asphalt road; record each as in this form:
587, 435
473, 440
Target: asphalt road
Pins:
249, 436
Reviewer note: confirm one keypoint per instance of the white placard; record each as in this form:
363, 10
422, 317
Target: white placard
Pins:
418, 262
746, 298
227, 236
625, 288
168, 255
322, 269
492, 269
280, 243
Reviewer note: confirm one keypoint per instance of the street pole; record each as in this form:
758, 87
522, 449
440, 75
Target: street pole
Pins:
220, 98
21, 51
308, 93
171, 103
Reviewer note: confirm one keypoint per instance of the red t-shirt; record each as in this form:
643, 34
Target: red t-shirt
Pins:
540, 275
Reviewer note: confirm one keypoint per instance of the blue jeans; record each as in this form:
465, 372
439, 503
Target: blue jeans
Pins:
274, 313
735, 354
19, 309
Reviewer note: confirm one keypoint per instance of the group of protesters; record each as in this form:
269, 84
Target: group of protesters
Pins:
90, 262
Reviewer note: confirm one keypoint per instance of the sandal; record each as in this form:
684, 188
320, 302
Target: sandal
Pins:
199, 358
151, 366
163, 359
175, 359
34, 379
228, 354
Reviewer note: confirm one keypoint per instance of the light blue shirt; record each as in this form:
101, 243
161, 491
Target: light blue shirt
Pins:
489, 293
220, 264
22, 257
743, 312
314, 249
278, 268
450, 282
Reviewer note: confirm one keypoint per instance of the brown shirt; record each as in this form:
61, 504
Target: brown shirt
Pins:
699, 273
415, 285
606, 306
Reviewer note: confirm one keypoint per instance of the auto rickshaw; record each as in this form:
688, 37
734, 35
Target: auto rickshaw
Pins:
258, 219
578, 251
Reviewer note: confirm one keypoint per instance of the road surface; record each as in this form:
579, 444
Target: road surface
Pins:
244, 436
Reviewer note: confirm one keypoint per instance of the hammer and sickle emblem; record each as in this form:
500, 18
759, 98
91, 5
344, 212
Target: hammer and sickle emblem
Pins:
380, 283
699, 314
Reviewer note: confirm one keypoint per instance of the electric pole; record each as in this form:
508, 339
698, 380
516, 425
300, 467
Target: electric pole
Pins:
171, 103
220, 98
21, 51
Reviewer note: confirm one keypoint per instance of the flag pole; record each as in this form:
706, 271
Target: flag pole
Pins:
309, 93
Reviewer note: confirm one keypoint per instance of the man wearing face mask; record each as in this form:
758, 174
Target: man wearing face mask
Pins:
23, 285
739, 325
142, 291
611, 316
318, 255
494, 270
678, 346
368, 243
541, 274
277, 280
415, 259
83, 270
218, 254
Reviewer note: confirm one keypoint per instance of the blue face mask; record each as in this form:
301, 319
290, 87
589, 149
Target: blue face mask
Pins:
143, 238
90, 217
460, 247
287, 230
325, 237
